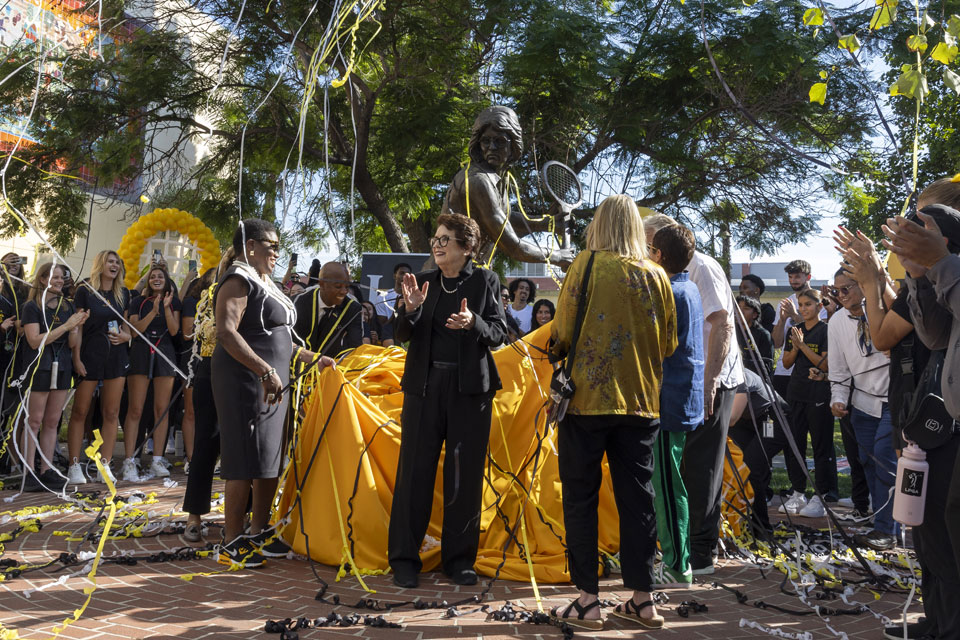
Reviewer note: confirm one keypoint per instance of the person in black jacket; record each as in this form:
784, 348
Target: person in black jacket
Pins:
328, 319
452, 316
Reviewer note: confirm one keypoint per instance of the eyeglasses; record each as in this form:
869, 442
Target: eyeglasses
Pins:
842, 291
440, 241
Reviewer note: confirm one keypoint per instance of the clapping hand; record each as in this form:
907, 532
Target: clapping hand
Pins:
796, 337
413, 296
918, 248
168, 299
788, 309
77, 319
861, 260
463, 320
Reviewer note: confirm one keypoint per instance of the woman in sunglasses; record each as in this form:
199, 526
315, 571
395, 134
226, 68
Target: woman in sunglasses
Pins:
452, 317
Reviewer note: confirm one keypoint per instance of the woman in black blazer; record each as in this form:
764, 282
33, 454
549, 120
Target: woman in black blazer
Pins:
452, 316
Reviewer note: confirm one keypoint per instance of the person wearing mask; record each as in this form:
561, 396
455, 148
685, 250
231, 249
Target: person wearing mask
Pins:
104, 360
156, 315
249, 372
328, 319
859, 376
51, 330
522, 291
629, 328
752, 286
543, 312
452, 317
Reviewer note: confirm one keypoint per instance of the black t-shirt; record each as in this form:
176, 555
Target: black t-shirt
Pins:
445, 343
58, 311
157, 329
768, 316
761, 338
101, 313
384, 330
189, 308
802, 388
908, 355
8, 309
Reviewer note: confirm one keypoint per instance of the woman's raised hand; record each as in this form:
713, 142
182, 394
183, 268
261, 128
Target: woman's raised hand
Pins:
413, 296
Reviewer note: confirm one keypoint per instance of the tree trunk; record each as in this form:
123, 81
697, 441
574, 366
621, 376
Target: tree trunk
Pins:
370, 193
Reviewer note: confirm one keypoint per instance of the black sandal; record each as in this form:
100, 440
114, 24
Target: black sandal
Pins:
579, 621
623, 610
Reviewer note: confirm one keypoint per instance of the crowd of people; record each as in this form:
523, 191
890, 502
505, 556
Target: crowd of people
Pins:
665, 360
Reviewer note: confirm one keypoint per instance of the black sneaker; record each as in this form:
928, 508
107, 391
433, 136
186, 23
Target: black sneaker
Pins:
876, 540
242, 552
32, 484
271, 545
52, 480
915, 630
406, 579
856, 516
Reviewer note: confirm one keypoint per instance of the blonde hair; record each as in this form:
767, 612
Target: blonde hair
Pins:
617, 227
652, 224
42, 272
96, 274
945, 191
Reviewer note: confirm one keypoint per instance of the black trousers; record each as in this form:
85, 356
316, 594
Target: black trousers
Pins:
702, 470
860, 490
628, 443
757, 454
206, 444
443, 416
938, 557
817, 420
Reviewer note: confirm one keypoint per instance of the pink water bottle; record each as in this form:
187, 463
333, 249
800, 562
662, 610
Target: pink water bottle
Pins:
912, 472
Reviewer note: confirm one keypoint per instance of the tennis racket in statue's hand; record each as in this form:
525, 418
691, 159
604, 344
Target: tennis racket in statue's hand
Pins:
563, 186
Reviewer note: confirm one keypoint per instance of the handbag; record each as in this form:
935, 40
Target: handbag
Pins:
926, 420
562, 387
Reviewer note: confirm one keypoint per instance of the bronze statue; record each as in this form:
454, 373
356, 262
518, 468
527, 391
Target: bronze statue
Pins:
495, 143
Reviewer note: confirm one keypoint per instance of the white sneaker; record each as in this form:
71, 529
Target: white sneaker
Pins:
129, 471
813, 509
794, 503
110, 475
158, 469
148, 446
845, 502
75, 473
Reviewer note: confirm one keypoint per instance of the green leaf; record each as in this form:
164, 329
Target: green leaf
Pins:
818, 92
749, 3
953, 26
917, 43
944, 53
824, 74
813, 17
952, 80
849, 42
885, 14
911, 83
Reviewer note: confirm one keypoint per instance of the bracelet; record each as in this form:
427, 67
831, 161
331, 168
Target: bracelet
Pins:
264, 377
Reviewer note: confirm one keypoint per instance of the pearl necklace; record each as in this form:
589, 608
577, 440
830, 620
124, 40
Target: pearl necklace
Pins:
445, 290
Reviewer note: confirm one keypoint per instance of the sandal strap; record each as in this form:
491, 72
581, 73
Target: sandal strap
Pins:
636, 608
581, 610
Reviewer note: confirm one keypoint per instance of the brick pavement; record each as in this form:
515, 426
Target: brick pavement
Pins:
150, 600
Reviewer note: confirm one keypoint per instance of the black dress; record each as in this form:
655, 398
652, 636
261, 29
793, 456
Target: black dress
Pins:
143, 360
251, 432
55, 357
102, 360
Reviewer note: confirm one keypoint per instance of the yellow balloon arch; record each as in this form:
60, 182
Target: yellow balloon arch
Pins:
136, 237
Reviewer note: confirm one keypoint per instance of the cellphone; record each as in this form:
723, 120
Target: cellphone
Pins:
23, 259
157, 256
293, 259
192, 265
113, 327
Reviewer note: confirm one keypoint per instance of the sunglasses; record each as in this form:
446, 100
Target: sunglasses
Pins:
842, 291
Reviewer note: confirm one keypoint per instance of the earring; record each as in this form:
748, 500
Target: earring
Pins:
251, 253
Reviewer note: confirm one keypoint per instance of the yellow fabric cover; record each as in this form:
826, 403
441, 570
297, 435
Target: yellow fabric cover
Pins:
364, 396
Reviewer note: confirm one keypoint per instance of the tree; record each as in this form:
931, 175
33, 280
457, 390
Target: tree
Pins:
625, 92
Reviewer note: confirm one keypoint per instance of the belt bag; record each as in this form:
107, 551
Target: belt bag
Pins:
926, 420
562, 387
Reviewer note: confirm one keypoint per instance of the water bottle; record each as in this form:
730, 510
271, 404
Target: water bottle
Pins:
54, 374
911, 486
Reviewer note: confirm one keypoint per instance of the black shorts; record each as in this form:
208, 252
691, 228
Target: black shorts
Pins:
104, 361
140, 358
40, 380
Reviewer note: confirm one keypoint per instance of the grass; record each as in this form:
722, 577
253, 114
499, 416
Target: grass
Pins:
780, 482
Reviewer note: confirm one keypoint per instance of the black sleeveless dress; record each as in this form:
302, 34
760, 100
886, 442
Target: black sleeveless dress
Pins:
251, 432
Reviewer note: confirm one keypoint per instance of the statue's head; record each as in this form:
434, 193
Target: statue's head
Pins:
496, 138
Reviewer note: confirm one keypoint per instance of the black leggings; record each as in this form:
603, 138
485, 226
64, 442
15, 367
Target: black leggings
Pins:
206, 444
